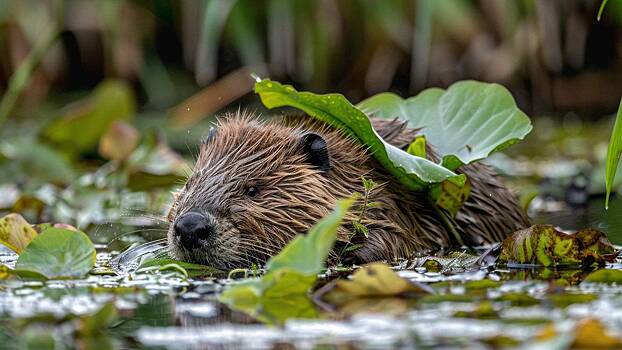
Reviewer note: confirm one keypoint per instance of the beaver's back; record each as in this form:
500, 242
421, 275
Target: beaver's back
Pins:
408, 222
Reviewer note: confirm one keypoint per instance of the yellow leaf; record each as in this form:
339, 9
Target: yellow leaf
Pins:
16, 232
372, 280
590, 333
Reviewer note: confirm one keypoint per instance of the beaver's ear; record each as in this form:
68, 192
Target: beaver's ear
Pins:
315, 149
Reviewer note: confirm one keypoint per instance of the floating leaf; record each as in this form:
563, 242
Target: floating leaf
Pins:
615, 149
608, 276
591, 334
464, 123
15, 232
155, 165
282, 291
335, 109
372, 280
544, 245
518, 299
119, 141
42, 163
58, 253
483, 311
80, 129
482, 284
191, 270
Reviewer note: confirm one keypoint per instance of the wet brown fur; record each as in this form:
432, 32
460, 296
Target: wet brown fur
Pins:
294, 195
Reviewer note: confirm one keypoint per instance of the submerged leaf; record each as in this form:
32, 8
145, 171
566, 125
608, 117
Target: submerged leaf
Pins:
58, 253
544, 245
335, 109
372, 280
480, 118
15, 232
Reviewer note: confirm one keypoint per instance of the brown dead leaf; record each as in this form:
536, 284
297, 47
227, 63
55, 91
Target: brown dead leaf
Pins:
119, 141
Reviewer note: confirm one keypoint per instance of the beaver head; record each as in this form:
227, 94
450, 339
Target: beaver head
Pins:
257, 184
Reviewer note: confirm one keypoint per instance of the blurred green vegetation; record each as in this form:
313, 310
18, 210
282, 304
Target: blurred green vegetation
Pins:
103, 102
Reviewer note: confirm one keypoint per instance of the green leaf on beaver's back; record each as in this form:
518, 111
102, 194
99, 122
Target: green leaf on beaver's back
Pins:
289, 275
544, 245
415, 172
465, 123
58, 253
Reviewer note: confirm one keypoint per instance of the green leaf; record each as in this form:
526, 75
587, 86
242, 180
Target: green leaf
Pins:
58, 253
335, 109
544, 245
613, 154
155, 165
608, 276
465, 123
451, 196
282, 292
417, 147
601, 9
360, 229
80, 129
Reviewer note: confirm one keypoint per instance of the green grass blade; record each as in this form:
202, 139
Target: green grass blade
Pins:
613, 154
601, 9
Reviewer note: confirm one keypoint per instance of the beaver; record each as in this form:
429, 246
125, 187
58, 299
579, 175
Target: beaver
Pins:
257, 183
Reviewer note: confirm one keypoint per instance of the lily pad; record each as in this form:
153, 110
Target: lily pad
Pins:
15, 232
465, 123
58, 253
544, 245
415, 172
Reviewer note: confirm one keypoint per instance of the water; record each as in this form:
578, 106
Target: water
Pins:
165, 310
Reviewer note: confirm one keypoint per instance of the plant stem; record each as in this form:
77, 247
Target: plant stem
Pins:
22, 75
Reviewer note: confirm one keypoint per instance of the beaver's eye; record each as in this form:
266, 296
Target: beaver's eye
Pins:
252, 191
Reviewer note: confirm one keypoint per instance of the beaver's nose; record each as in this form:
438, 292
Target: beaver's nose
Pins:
191, 227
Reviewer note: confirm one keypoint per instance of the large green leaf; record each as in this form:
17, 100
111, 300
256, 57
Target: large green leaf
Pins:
613, 154
80, 129
335, 109
464, 123
58, 253
289, 275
